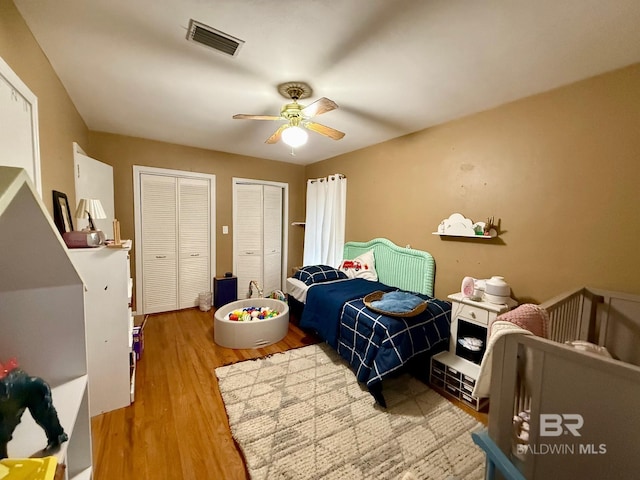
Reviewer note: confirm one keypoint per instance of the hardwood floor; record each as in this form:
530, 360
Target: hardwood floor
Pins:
177, 428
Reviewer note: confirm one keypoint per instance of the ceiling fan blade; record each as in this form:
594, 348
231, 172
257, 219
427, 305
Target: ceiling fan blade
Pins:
323, 130
244, 116
276, 136
320, 106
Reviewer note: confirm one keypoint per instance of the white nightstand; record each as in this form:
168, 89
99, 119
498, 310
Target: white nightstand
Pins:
456, 371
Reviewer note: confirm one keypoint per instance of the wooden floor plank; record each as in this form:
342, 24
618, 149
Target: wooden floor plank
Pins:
177, 428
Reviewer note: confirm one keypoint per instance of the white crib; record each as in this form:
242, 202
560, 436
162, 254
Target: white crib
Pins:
584, 408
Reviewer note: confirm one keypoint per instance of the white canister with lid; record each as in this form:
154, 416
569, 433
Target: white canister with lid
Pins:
497, 290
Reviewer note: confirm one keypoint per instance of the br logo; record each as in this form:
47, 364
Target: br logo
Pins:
554, 424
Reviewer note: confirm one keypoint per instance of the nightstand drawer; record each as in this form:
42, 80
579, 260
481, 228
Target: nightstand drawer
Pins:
470, 312
469, 399
452, 372
469, 380
451, 390
466, 388
437, 382
452, 380
437, 372
437, 364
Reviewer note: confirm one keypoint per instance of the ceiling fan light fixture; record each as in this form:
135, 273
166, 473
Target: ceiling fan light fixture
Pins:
294, 136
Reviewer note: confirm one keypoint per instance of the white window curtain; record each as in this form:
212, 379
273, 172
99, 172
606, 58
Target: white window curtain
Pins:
325, 220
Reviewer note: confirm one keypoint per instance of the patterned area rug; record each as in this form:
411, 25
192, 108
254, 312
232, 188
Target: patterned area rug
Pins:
301, 414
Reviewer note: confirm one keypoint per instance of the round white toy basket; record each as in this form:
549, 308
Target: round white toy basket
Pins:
254, 333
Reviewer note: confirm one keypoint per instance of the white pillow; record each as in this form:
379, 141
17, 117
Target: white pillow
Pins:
363, 266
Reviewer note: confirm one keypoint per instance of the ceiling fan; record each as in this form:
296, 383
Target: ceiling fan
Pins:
297, 116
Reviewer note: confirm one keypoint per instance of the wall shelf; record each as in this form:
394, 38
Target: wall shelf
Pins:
478, 237
457, 225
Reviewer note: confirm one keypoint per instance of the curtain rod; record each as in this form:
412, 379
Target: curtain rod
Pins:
332, 177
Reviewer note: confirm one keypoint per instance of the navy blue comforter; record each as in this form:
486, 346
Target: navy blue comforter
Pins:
375, 345
325, 301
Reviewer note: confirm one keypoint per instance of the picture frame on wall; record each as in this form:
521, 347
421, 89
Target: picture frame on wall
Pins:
62, 212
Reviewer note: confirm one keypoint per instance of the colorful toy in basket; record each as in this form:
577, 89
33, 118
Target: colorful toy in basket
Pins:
249, 314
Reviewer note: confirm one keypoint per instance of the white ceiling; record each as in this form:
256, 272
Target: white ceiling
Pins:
392, 66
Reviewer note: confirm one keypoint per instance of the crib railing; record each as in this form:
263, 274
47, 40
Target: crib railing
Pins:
609, 319
572, 315
605, 318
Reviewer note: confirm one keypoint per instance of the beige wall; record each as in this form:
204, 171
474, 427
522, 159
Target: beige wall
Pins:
59, 122
560, 170
60, 125
124, 152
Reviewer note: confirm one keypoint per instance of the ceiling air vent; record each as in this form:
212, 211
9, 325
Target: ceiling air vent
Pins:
212, 38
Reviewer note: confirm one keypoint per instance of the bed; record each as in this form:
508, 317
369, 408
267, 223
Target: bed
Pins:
581, 404
375, 345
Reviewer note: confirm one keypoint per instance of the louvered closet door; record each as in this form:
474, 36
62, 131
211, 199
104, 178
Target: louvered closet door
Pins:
159, 237
272, 231
194, 235
248, 237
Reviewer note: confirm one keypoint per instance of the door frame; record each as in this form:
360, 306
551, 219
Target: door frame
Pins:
285, 220
138, 170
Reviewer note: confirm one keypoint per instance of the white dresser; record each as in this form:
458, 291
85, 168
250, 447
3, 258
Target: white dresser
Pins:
455, 371
109, 323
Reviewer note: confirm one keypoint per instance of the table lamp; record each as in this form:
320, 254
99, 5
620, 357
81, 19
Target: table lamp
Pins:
91, 208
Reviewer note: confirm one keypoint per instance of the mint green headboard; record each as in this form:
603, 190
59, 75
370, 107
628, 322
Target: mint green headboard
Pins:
405, 268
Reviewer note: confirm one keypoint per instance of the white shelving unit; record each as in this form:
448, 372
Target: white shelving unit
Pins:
42, 320
109, 325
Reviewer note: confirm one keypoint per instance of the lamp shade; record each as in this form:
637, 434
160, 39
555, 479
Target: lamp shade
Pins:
90, 208
294, 136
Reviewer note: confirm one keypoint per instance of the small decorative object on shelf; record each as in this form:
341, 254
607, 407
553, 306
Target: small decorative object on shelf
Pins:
124, 244
457, 225
19, 391
117, 239
488, 227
